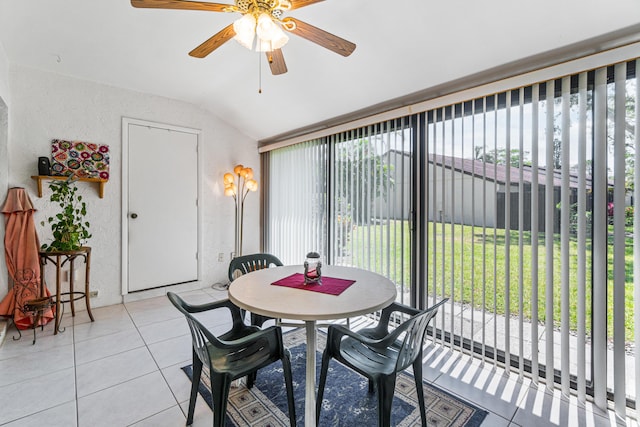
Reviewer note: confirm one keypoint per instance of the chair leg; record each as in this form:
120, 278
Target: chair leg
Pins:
386, 388
251, 379
195, 384
220, 385
323, 380
288, 380
371, 386
417, 376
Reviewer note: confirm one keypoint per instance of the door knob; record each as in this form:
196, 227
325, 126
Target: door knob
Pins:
134, 215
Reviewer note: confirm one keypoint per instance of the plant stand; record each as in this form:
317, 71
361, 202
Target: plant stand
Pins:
59, 259
30, 300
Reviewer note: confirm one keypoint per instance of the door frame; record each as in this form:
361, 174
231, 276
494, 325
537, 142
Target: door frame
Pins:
126, 121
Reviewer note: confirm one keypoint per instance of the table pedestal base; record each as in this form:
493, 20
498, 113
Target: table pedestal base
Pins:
310, 389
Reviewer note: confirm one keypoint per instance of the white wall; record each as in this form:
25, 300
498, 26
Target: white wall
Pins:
4, 156
4, 75
47, 106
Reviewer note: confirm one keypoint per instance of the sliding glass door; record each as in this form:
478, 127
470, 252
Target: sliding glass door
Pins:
516, 204
347, 197
371, 205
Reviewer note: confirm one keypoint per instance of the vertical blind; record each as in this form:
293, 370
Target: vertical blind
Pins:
538, 263
297, 201
517, 205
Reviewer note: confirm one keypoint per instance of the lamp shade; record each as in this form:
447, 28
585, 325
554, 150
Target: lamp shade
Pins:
270, 35
245, 29
252, 185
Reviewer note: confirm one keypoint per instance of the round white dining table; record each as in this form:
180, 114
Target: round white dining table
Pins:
254, 292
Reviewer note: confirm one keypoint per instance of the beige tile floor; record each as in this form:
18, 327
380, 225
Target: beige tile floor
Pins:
124, 370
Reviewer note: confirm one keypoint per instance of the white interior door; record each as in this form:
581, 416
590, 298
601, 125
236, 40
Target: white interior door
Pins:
162, 219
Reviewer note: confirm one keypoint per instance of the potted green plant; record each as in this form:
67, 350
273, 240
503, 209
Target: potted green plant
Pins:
69, 228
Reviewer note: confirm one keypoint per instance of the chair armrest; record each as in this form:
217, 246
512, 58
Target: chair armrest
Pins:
199, 308
336, 332
395, 307
236, 314
381, 330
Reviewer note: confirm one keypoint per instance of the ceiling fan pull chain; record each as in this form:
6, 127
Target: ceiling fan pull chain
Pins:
259, 73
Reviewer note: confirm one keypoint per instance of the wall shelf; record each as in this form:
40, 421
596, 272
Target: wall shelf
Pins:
40, 178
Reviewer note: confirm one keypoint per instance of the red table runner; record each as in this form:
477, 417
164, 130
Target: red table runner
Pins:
330, 285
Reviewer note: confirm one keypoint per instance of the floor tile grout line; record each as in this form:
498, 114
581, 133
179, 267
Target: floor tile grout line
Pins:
159, 370
75, 371
440, 374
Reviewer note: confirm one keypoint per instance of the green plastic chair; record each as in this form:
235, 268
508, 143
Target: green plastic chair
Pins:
379, 354
246, 264
235, 354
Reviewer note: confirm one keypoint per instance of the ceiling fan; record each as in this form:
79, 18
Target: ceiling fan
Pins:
260, 27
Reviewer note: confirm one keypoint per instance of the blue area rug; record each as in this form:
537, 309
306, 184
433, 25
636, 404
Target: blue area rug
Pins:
347, 401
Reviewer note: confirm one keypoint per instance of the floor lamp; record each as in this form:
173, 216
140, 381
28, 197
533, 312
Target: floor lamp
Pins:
237, 185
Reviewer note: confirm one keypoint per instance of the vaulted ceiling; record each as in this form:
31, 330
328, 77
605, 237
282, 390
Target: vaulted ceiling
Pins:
403, 47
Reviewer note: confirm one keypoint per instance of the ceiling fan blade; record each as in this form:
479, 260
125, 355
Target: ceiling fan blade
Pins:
297, 4
214, 42
180, 4
276, 62
316, 35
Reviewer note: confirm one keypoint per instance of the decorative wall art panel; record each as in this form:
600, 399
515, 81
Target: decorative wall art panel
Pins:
81, 159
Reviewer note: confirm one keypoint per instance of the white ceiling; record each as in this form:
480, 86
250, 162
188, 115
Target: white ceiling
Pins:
403, 46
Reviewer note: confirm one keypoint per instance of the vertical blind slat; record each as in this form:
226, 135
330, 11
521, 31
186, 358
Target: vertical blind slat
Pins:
564, 236
452, 238
473, 227
462, 222
582, 232
600, 238
442, 218
507, 236
619, 236
636, 232
535, 108
521, 196
548, 235
484, 227
495, 230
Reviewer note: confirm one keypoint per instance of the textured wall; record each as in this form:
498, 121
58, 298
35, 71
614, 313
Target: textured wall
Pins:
4, 178
4, 155
46, 106
4, 76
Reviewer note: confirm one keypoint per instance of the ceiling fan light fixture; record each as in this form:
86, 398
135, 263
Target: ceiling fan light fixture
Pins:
262, 18
245, 29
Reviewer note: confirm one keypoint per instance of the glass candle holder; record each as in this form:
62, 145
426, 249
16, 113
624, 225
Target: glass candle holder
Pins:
313, 269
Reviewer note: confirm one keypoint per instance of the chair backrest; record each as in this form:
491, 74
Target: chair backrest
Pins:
199, 338
247, 263
415, 329
200, 335
260, 350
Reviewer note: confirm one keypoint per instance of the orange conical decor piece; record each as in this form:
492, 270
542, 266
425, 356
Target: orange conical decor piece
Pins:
21, 253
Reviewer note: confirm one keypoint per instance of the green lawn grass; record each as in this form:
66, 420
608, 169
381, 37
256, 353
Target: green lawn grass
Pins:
470, 263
